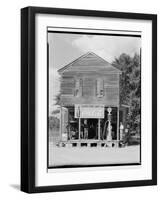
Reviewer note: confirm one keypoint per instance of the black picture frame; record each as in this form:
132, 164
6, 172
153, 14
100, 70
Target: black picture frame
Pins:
28, 98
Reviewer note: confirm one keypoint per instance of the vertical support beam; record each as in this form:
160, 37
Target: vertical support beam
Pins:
109, 136
118, 122
79, 128
99, 131
68, 127
60, 123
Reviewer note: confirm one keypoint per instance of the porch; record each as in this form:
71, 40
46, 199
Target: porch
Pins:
88, 143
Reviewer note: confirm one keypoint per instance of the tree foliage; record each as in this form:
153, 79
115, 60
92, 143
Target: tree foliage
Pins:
54, 123
130, 87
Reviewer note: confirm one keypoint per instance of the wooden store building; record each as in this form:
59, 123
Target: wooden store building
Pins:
90, 111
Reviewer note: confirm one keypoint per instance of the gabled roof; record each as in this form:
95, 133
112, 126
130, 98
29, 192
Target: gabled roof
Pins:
89, 62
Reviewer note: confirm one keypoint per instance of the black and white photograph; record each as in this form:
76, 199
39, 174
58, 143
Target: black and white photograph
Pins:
89, 99
94, 98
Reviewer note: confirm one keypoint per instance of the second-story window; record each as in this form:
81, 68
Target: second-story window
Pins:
78, 87
99, 88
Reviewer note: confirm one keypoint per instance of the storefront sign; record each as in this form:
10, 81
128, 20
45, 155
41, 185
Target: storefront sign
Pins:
89, 111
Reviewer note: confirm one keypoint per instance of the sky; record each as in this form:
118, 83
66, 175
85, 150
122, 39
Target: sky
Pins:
66, 47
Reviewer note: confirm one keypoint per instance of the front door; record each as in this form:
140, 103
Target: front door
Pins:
92, 132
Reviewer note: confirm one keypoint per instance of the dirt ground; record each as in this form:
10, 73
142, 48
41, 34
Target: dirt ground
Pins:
65, 156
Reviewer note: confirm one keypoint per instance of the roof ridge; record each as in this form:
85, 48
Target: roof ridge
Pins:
82, 56
72, 62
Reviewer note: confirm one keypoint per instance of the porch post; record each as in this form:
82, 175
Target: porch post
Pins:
109, 136
79, 127
68, 129
118, 135
98, 129
60, 123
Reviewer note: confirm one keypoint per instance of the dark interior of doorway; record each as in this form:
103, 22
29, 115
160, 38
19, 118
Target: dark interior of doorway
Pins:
92, 128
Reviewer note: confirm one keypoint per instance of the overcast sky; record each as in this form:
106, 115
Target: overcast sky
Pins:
64, 48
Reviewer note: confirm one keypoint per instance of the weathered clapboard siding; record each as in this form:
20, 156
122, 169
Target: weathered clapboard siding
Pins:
108, 101
111, 96
89, 87
89, 62
67, 85
89, 75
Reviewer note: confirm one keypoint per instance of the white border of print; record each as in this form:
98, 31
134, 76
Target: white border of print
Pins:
98, 174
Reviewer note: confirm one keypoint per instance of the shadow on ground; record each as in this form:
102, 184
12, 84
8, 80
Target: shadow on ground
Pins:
15, 186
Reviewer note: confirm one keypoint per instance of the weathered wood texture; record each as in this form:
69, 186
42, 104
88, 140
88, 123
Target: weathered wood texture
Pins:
89, 68
89, 62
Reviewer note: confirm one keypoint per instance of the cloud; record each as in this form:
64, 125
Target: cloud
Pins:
108, 47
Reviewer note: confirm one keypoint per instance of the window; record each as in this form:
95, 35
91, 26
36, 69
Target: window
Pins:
99, 88
78, 88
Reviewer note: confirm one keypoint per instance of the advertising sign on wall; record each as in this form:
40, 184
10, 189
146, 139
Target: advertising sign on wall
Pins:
89, 111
